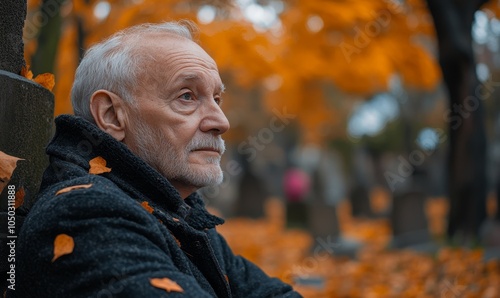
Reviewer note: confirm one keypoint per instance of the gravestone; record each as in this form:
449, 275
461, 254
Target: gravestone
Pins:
312, 193
359, 196
252, 196
408, 219
362, 181
323, 221
26, 114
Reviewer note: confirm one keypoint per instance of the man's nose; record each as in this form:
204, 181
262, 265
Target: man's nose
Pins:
215, 120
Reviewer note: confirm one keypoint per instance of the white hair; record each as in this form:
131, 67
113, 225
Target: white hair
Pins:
115, 64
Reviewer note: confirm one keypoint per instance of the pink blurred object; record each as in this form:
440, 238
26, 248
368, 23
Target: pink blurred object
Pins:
296, 184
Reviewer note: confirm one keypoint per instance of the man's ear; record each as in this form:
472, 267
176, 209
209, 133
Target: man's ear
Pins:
108, 110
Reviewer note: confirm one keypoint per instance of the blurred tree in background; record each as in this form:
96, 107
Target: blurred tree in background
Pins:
317, 60
467, 156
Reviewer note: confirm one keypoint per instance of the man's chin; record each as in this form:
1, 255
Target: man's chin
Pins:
203, 176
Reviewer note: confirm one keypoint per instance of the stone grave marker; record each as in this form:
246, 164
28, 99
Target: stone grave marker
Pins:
26, 117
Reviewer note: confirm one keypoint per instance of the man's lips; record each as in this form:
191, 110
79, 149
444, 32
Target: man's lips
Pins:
208, 150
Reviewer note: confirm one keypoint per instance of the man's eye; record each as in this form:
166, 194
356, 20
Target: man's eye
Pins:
218, 100
187, 96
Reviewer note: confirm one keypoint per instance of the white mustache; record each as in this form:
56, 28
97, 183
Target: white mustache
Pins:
216, 143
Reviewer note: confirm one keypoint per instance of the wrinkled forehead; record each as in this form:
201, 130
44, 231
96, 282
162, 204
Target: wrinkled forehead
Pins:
168, 46
162, 55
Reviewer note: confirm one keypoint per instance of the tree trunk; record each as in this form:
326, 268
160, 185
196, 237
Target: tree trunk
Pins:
44, 58
467, 148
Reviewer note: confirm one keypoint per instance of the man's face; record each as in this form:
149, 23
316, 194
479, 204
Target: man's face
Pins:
177, 123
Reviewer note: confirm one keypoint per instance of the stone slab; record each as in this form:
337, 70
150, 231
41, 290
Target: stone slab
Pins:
26, 126
13, 13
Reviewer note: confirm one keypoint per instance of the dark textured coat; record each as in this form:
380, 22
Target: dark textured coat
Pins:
119, 245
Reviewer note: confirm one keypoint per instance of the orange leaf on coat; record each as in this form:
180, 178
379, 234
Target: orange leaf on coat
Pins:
19, 197
73, 187
166, 284
98, 166
146, 206
63, 245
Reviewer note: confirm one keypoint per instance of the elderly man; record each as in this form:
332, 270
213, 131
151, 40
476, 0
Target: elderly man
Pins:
118, 214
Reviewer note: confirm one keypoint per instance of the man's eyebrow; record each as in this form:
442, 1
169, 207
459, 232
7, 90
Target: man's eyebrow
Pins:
195, 77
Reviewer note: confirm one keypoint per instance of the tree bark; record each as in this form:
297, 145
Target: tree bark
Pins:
467, 147
12, 15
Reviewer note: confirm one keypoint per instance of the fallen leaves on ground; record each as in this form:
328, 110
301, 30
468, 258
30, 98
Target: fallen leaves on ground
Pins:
47, 80
8, 164
98, 166
63, 245
166, 284
376, 272
73, 187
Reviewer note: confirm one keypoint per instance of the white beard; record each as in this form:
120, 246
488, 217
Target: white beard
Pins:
155, 150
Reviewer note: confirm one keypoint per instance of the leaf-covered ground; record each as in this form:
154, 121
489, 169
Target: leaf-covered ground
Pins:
376, 272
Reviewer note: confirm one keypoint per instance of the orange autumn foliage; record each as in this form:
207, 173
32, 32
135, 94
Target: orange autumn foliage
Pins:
355, 46
166, 284
291, 63
63, 245
73, 187
375, 272
98, 166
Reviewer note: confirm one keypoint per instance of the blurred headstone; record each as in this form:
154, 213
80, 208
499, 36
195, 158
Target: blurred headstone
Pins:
408, 219
252, 196
323, 221
362, 180
360, 201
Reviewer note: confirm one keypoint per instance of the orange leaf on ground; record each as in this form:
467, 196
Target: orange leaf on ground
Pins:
63, 245
73, 187
19, 200
98, 166
166, 284
26, 72
7, 166
146, 206
46, 80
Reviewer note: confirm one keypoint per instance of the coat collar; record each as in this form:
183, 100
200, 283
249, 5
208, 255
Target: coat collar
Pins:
76, 140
